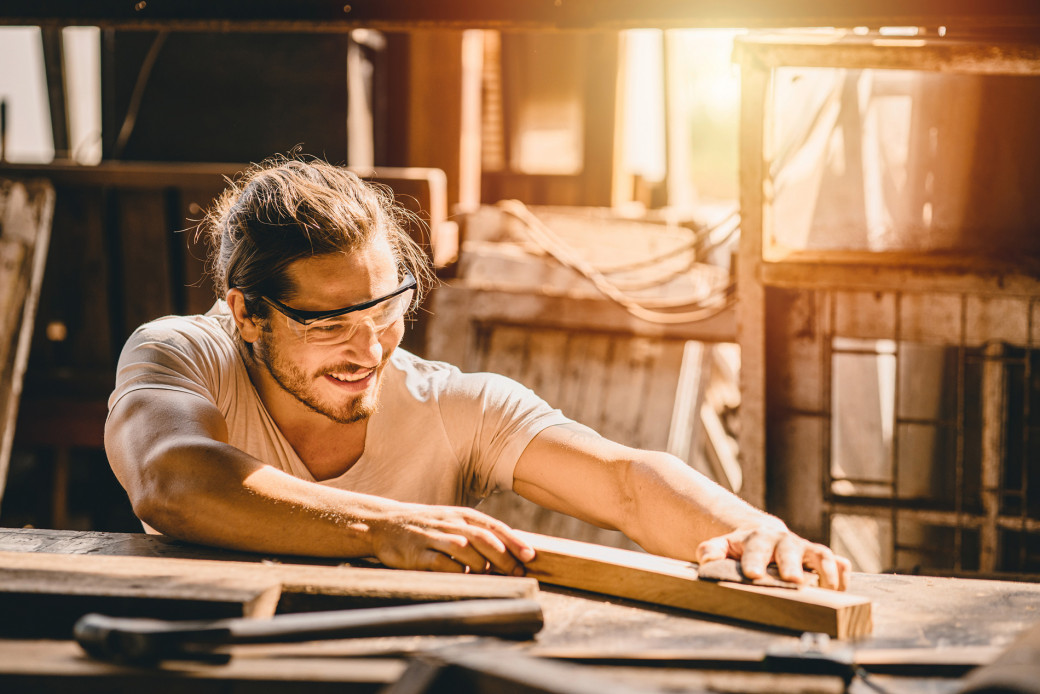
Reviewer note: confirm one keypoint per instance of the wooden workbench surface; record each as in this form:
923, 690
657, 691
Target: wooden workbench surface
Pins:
915, 617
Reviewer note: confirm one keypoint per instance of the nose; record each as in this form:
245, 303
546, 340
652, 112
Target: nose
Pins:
363, 346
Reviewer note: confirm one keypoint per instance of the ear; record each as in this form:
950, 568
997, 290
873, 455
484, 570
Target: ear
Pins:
248, 326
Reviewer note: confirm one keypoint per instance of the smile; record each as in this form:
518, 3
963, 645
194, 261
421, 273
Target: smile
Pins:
356, 382
352, 378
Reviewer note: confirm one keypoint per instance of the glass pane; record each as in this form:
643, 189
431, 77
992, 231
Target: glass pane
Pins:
862, 402
890, 160
23, 87
864, 540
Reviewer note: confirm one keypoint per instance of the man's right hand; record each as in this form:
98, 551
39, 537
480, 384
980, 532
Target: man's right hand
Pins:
447, 538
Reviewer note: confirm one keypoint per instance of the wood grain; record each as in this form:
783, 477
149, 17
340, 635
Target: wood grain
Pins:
42, 595
46, 604
674, 583
374, 585
26, 210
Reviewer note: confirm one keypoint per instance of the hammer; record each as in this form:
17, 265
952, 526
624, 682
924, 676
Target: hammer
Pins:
141, 641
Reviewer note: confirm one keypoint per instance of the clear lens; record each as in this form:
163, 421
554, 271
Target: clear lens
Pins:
341, 329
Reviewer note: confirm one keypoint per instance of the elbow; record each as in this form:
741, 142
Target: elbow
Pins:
158, 494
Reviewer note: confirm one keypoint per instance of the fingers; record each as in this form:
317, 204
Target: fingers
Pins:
790, 557
478, 549
712, 550
833, 570
758, 550
758, 547
431, 560
512, 543
444, 538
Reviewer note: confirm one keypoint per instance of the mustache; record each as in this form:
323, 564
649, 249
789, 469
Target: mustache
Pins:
349, 368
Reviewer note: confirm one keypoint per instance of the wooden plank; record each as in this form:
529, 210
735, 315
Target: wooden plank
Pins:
145, 243
587, 367
755, 149
334, 16
350, 585
25, 228
192, 275
507, 352
623, 399
911, 273
45, 604
444, 69
673, 583
891, 53
59, 667
77, 291
488, 302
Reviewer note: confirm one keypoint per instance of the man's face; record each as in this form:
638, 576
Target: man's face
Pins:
340, 381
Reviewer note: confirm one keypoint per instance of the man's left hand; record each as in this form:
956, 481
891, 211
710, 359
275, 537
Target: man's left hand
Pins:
757, 547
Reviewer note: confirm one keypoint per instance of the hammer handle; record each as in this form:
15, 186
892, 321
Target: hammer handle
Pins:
505, 618
129, 639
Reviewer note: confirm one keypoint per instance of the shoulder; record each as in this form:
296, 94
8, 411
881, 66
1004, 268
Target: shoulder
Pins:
436, 380
211, 334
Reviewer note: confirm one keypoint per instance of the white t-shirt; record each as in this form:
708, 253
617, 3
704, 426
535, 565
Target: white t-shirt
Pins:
439, 436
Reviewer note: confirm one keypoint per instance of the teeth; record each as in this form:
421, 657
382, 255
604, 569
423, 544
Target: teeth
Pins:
350, 378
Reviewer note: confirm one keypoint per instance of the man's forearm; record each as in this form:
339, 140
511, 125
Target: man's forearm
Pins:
674, 508
206, 491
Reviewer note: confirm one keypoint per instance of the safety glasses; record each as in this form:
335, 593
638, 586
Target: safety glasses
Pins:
340, 325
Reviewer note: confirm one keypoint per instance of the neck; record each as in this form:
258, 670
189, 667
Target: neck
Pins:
328, 448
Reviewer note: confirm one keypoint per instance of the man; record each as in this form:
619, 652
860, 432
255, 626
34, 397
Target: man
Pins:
287, 421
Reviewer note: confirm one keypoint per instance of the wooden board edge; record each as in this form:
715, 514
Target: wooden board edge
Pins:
672, 583
417, 586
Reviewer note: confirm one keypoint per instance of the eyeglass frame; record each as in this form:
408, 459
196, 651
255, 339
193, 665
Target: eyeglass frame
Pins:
308, 317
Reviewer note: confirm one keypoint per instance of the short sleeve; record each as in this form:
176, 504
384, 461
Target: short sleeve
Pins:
184, 354
491, 420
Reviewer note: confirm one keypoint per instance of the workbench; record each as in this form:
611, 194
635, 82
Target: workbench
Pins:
587, 640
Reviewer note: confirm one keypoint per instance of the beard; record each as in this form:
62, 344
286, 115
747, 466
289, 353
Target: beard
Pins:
296, 383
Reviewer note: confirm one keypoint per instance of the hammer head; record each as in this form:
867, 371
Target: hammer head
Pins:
134, 641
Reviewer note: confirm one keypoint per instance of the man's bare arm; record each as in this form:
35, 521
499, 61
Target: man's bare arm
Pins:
169, 450
662, 504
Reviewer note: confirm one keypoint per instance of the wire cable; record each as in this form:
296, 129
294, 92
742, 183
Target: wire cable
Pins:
138, 94
686, 310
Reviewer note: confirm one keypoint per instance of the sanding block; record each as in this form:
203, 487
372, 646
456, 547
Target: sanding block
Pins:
730, 570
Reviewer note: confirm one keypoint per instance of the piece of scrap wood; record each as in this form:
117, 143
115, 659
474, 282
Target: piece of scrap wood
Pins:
374, 585
46, 603
673, 583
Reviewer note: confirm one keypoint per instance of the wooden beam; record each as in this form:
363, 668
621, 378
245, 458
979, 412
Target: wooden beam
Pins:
474, 304
672, 583
335, 16
352, 584
45, 604
59, 667
26, 209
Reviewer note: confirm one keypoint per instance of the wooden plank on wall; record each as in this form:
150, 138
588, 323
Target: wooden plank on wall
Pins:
444, 69
672, 583
751, 317
333, 15
145, 241
198, 285
78, 259
25, 226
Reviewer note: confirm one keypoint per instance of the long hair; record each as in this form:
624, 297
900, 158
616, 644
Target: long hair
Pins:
288, 208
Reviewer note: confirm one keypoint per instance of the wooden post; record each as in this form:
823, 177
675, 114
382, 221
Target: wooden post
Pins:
754, 210
25, 230
444, 109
